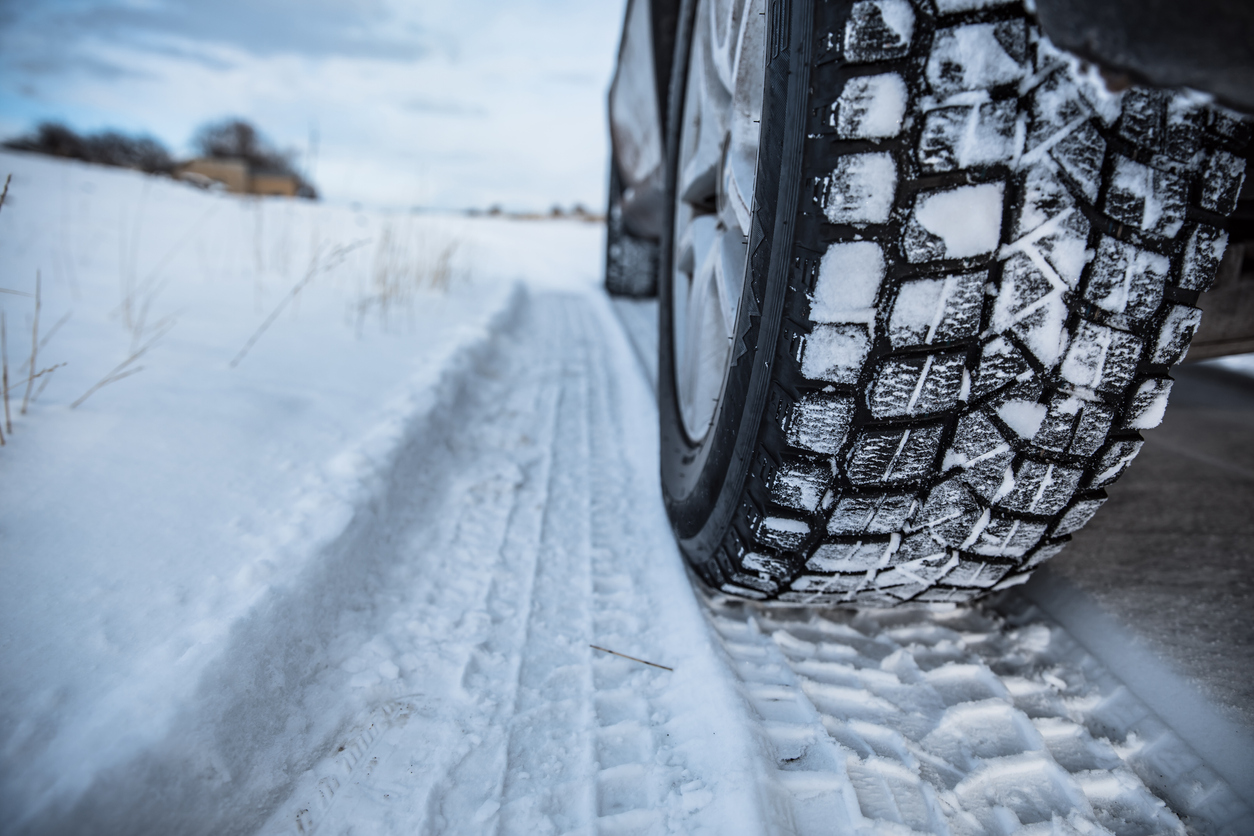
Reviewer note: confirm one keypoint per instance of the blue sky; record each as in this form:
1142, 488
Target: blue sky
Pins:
448, 104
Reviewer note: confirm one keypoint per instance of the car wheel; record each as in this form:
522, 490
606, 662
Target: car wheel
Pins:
630, 261
922, 283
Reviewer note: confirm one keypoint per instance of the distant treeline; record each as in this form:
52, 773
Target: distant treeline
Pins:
105, 148
233, 139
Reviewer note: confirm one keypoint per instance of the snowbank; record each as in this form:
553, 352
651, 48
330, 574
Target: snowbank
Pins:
139, 529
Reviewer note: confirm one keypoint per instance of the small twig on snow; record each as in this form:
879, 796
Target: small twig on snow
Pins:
5, 193
34, 343
632, 658
40, 374
120, 370
46, 381
55, 328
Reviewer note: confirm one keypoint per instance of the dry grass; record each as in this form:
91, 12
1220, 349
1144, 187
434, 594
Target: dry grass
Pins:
407, 262
319, 262
123, 369
4, 379
138, 295
33, 363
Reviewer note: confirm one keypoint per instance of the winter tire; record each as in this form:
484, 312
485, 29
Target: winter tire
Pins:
949, 286
630, 261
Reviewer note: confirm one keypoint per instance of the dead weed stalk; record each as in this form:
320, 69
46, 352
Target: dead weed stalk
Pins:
123, 370
403, 267
318, 263
34, 342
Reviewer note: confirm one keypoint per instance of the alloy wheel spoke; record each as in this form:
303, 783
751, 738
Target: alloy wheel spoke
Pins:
717, 167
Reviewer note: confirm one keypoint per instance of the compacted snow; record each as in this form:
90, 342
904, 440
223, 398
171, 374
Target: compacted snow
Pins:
370, 568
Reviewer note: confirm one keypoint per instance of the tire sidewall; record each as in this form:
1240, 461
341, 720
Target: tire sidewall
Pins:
702, 481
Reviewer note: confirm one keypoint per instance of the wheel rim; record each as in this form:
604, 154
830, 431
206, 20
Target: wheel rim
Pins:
718, 155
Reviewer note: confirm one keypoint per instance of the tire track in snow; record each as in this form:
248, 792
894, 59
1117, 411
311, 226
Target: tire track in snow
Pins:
545, 784
483, 532
491, 675
790, 722
931, 736
550, 736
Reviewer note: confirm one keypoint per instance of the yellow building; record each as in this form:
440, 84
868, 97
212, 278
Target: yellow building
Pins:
236, 176
274, 184
233, 174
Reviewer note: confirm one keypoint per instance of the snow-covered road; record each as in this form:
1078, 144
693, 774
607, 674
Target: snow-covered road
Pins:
800, 722
434, 658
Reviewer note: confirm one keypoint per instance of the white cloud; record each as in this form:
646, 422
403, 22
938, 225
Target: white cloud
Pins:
457, 104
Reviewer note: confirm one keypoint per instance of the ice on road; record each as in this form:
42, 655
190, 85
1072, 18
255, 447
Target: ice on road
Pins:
421, 655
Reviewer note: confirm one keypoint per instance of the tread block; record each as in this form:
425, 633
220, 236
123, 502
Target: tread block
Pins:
860, 189
1080, 154
871, 513
878, 30
1229, 126
1031, 306
886, 457
937, 310
973, 573
1055, 107
1092, 428
1142, 115
951, 515
870, 107
783, 533
981, 454
828, 584
1044, 552
849, 278
764, 564
962, 222
1203, 251
1146, 198
1113, 461
1221, 182
1148, 404
819, 422
1000, 364
848, 557
1073, 425
1175, 334
915, 575
977, 56
1049, 223
1126, 280
943, 595
1101, 358
835, 353
920, 546
917, 385
1077, 516
1008, 537
1184, 124
743, 592
1041, 488
758, 582
965, 136
799, 483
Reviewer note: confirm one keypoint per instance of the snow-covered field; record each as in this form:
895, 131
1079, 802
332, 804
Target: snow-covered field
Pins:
345, 568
